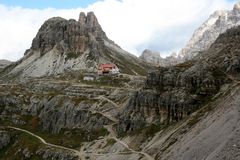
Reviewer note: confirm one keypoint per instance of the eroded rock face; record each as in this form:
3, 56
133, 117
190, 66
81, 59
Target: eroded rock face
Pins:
4, 139
202, 39
151, 57
48, 153
4, 63
206, 34
53, 113
62, 46
225, 52
69, 36
68, 116
172, 93
156, 59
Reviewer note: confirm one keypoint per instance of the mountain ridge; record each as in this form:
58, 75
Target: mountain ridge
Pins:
205, 35
186, 111
68, 45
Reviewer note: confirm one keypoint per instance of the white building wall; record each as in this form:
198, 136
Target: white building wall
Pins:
88, 78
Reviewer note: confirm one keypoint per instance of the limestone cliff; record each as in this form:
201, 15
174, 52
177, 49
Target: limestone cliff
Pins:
64, 45
202, 38
172, 93
209, 31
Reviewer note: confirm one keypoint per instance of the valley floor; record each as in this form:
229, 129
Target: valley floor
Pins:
211, 133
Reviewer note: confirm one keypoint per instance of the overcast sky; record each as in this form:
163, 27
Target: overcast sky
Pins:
159, 25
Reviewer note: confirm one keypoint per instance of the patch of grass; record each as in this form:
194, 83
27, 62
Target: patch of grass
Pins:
71, 55
3, 151
171, 141
72, 138
110, 142
79, 99
185, 65
220, 75
20, 140
199, 114
151, 130
109, 81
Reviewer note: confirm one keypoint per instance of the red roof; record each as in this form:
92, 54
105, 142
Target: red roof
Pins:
108, 65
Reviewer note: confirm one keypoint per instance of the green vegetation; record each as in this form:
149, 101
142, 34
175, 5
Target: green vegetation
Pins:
194, 119
147, 131
23, 141
79, 99
71, 138
151, 130
170, 141
185, 65
109, 81
110, 142
71, 55
219, 74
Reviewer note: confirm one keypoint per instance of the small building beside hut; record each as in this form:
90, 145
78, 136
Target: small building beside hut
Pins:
108, 69
89, 76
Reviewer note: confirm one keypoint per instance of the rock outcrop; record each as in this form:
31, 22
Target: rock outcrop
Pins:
4, 139
53, 113
155, 58
4, 63
209, 31
68, 36
49, 153
202, 38
151, 57
64, 45
13, 142
172, 93
83, 118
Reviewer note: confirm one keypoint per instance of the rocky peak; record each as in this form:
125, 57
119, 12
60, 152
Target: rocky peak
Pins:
156, 59
236, 8
90, 20
82, 18
208, 32
172, 93
4, 63
148, 52
62, 46
150, 57
68, 35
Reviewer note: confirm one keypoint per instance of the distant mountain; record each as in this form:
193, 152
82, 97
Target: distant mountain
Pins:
202, 38
151, 57
208, 32
208, 83
156, 59
4, 63
68, 45
182, 112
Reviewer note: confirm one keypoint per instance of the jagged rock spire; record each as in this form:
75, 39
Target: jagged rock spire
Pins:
82, 18
90, 20
236, 8
68, 35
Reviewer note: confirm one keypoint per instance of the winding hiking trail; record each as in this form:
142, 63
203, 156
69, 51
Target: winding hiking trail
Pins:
80, 154
108, 100
114, 136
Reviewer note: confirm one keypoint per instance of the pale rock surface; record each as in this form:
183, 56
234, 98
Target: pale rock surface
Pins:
68, 45
202, 38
